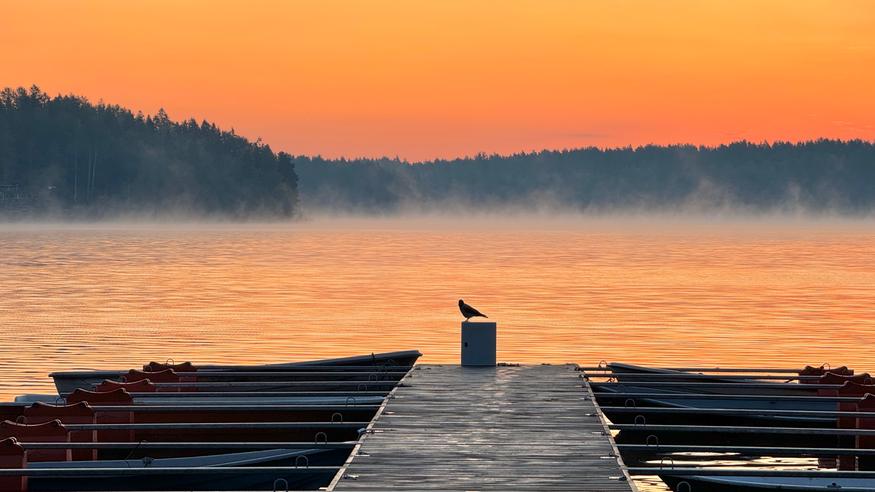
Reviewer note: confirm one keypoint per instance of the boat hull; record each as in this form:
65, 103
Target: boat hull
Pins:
753, 483
311, 480
734, 386
169, 479
68, 381
763, 439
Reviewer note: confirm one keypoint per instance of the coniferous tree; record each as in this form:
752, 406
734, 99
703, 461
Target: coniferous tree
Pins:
71, 156
819, 175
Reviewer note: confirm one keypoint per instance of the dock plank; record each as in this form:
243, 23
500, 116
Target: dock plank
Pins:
505, 428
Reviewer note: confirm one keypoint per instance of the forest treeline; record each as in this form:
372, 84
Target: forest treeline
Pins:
64, 155
817, 176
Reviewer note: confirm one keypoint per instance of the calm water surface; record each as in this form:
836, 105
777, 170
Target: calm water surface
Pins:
577, 291
736, 294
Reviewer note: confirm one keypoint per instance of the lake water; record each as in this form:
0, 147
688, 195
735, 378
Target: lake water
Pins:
646, 290
638, 290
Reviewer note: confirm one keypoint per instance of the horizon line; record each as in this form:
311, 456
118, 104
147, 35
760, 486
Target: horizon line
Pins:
628, 147
258, 140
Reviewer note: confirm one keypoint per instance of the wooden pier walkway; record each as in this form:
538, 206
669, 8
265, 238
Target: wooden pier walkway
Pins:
505, 428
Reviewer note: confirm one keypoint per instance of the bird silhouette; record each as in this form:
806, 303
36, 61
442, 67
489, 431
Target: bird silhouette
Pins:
469, 312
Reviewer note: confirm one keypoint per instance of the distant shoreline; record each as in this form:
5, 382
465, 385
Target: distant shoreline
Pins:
618, 221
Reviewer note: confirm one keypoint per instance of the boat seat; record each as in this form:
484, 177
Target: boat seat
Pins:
51, 431
165, 376
848, 389
833, 378
39, 411
851, 388
12, 455
77, 413
157, 366
141, 386
117, 397
820, 371
866, 404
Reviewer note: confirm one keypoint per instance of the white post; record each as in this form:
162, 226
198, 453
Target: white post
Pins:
478, 343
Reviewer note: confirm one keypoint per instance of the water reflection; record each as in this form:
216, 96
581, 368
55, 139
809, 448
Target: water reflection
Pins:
119, 296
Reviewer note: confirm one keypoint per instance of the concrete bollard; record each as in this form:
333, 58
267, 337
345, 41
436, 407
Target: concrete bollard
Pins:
478, 343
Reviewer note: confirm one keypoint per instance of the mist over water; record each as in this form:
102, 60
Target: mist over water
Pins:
648, 289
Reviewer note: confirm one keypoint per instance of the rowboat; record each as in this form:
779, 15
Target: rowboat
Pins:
645, 396
726, 373
756, 483
643, 399
679, 413
49, 465
726, 400
682, 381
68, 381
626, 409
241, 398
271, 457
112, 476
187, 427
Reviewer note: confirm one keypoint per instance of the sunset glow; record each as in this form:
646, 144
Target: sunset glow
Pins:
442, 79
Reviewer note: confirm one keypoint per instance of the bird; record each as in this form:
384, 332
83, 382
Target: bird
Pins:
469, 312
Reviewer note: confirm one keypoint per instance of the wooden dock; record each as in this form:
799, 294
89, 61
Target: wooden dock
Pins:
510, 428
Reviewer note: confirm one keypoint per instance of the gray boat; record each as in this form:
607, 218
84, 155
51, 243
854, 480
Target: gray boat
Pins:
67, 381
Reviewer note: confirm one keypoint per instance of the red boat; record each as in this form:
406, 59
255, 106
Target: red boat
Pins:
182, 426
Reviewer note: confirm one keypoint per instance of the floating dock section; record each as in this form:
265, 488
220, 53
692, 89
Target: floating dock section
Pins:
509, 428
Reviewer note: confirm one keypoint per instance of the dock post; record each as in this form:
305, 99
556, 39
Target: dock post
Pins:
478, 343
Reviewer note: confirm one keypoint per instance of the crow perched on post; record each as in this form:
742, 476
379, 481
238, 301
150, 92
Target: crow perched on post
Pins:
469, 312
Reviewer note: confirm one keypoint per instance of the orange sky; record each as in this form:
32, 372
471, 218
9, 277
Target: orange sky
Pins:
443, 78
